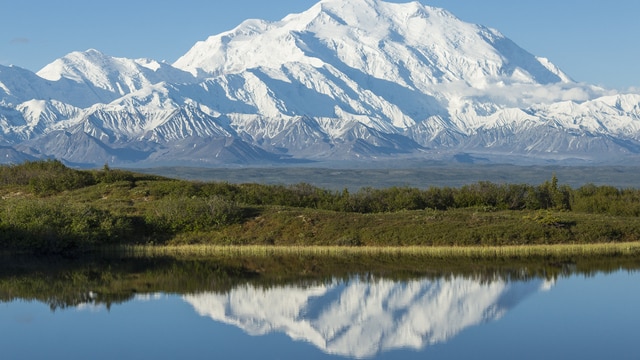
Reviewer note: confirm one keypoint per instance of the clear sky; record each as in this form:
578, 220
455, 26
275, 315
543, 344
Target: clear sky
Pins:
593, 41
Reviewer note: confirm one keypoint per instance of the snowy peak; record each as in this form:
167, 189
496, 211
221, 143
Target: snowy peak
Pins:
77, 65
381, 39
119, 76
18, 84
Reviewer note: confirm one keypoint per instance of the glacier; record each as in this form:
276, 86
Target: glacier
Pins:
344, 80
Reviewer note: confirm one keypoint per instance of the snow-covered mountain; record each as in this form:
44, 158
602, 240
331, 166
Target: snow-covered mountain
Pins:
344, 80
359, 318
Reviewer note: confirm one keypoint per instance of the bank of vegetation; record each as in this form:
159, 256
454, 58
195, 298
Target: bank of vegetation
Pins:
47, 207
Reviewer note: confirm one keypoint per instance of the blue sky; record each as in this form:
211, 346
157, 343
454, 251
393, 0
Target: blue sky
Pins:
593, 41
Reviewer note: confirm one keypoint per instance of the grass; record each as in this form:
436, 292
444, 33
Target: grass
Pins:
440, 252
282, 226
121, 272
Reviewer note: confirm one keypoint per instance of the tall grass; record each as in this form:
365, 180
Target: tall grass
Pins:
441, 252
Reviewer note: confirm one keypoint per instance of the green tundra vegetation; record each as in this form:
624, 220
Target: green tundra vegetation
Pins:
46, 207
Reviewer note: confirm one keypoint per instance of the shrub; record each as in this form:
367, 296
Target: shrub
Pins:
173, 214
46, 177
110, 176
54, 226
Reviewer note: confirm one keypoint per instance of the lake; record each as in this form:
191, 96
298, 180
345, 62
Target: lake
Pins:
239, 309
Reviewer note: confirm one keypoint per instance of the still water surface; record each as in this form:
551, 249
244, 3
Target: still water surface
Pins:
573, 316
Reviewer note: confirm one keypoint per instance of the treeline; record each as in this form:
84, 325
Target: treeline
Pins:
50, 177
489, 196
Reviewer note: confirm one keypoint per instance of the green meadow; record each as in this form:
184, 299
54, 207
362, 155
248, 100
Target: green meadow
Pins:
48, 208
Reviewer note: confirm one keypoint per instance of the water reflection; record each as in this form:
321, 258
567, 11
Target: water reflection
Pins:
318, 308
363, 317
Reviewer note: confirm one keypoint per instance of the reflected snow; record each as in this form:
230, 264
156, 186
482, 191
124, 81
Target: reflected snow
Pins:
361, 318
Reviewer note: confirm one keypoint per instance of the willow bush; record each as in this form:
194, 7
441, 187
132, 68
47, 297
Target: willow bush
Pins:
174, 214
56, 226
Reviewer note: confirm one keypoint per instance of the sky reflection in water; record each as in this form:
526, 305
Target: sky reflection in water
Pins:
455, 317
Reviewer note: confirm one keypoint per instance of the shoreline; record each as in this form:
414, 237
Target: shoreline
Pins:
480, 252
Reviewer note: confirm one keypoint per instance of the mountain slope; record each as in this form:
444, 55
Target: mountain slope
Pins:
344, 80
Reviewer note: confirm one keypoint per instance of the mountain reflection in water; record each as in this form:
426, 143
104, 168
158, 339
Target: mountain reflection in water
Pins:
361, 318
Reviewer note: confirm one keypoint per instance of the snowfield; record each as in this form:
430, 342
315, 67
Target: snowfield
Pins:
344, 80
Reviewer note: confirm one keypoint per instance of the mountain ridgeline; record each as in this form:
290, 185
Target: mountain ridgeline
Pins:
345, 80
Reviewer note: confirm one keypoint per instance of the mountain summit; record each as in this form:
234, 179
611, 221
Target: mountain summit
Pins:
411, 43
344, 80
